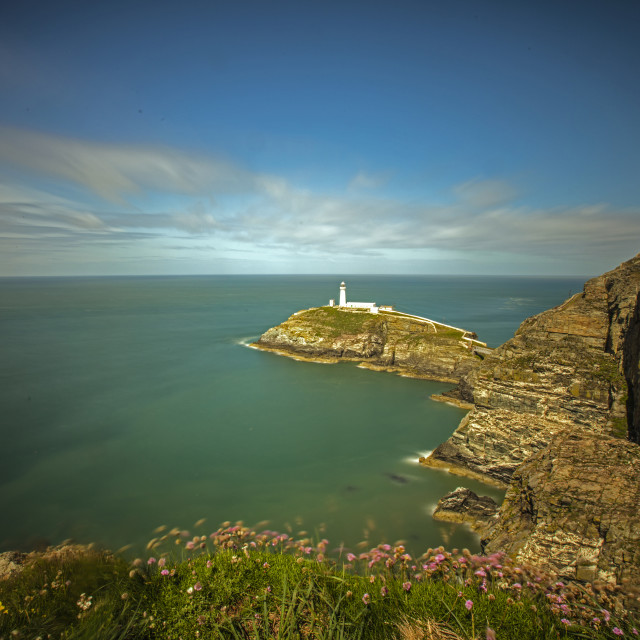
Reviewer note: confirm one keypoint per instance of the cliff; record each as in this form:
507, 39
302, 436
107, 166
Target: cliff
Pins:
556, 418
386, 341
573, 509
572, 367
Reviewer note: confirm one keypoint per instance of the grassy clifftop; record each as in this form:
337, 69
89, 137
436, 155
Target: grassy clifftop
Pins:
237, 583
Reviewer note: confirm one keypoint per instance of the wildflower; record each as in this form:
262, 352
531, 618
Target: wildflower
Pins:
349, 594
491, 634
617, 631
190, 545
197, 586
200, 619
162, 562
125, 595
565, 621
265, 565
469, 604
366, 598
384, 591
481, 572
84, 602
190, 590
406, 586
634, 631
165, 572
607, 615
151, 560
351, 557
439, 558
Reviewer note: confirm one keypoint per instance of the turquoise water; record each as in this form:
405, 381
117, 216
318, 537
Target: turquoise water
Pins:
128, 403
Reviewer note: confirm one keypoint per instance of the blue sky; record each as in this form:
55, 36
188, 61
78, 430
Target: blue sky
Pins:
319, 137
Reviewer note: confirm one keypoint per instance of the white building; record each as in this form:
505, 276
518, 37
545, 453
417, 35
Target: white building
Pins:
372, 307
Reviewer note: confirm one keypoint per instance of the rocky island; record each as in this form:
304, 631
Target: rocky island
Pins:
378, 338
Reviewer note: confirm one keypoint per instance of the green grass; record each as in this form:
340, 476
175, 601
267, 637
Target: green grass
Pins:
237, 583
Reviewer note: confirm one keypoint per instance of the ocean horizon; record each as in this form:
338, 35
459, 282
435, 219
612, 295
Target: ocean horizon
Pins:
131, 402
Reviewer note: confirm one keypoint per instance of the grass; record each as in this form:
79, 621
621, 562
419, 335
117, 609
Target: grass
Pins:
237, 583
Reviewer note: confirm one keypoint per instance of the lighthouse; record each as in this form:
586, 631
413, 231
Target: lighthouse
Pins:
343, 295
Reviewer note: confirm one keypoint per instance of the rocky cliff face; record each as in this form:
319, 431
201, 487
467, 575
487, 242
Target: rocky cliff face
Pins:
573, 367
383, 340
573, 507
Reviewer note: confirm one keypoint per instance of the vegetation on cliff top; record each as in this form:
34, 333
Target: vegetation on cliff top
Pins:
237, 583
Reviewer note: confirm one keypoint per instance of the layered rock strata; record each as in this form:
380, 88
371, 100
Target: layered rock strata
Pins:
383, 341
573, 508
573, 367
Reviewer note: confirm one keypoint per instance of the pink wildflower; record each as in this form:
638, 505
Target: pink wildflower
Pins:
565, 621
366, 598
469, 604
491, 634
481, 572
617, 631
165, 572
197, 586
384, 591
439, 558
406, 586
162, 562
634, 631
190, 544
151, 561
351, 557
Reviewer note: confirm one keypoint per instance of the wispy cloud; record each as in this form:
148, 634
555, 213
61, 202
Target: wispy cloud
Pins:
266, 213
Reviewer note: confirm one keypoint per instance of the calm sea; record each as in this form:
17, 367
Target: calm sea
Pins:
128, 403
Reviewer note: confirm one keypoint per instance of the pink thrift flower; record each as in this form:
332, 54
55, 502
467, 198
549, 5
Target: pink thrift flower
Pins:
366, 598
634, 631
439, 558
190, 545
197, 586
469, 604
406, 586
481, 572
565, 621
151, 561
162, 562
491, 634
165, 572
617, 631
384, 591
351, 557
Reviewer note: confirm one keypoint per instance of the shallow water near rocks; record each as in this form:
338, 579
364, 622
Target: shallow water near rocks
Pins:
128, 403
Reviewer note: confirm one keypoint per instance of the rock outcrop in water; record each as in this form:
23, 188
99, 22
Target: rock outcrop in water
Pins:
465, 506
573, 367
386, 341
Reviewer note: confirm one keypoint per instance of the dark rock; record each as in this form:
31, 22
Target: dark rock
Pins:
463, 505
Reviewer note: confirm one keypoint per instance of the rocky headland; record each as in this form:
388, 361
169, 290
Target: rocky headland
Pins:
556, 420
388, 341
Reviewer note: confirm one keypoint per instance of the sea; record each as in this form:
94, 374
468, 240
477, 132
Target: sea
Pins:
127, 403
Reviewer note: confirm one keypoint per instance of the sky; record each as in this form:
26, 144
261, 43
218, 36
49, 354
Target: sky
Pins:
395, 137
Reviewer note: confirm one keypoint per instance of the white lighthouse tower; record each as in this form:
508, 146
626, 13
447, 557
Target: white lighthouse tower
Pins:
343, 295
